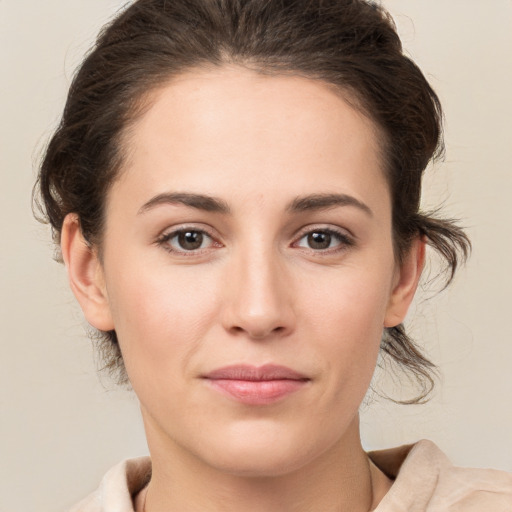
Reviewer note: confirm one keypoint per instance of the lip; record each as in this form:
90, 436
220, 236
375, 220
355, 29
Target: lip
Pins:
254, 385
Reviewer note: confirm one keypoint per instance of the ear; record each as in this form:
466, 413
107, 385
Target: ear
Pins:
85, 274
406, 281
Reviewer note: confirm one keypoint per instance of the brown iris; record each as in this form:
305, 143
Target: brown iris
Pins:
319, 240
190, 240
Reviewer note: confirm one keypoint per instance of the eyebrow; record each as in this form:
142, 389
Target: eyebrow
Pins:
198, 201
315, 202
312, 202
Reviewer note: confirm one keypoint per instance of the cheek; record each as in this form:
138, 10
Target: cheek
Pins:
346, 320
160, 316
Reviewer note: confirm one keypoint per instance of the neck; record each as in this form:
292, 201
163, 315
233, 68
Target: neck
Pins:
341, 479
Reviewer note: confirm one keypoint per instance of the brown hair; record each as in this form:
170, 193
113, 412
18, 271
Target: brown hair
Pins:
351, 44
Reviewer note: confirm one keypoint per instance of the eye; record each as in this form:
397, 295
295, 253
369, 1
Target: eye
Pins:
323, 240
186, 240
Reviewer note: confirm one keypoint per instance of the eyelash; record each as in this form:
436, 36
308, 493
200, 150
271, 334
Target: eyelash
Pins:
344, 241
165, 241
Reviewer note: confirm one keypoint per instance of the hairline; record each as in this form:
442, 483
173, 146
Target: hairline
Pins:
144, 99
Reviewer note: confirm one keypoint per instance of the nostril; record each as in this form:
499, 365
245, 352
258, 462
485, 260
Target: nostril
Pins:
257, 333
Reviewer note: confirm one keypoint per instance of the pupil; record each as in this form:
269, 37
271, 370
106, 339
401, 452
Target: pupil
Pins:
190, 240
319, 240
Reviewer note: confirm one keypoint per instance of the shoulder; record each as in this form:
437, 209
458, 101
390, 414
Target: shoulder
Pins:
426, 480
118, 487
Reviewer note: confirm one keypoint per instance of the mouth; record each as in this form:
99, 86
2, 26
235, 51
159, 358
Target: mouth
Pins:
253, 385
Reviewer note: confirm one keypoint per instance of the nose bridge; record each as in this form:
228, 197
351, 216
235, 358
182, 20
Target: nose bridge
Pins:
259, 300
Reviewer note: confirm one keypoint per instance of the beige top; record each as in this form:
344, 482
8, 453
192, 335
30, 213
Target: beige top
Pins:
425, 481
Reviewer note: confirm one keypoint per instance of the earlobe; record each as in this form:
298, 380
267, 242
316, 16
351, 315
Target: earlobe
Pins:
85, 275
406, 284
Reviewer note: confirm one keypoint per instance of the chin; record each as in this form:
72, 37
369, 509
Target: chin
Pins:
263, 451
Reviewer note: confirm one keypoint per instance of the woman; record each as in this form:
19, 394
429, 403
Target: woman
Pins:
235, 190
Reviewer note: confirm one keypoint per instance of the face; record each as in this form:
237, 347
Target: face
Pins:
248, 268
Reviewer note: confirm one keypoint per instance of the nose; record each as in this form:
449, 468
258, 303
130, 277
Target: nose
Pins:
259, 297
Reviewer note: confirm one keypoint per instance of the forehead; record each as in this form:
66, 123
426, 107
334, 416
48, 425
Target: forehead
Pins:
209, 127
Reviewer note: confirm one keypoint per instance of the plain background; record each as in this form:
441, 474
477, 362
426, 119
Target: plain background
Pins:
62, 427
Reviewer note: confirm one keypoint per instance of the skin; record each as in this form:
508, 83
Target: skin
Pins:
257, 291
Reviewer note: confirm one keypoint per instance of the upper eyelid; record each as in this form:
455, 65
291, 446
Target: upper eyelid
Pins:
166, 235
345, 240
344, 232
164, 241
174, 230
